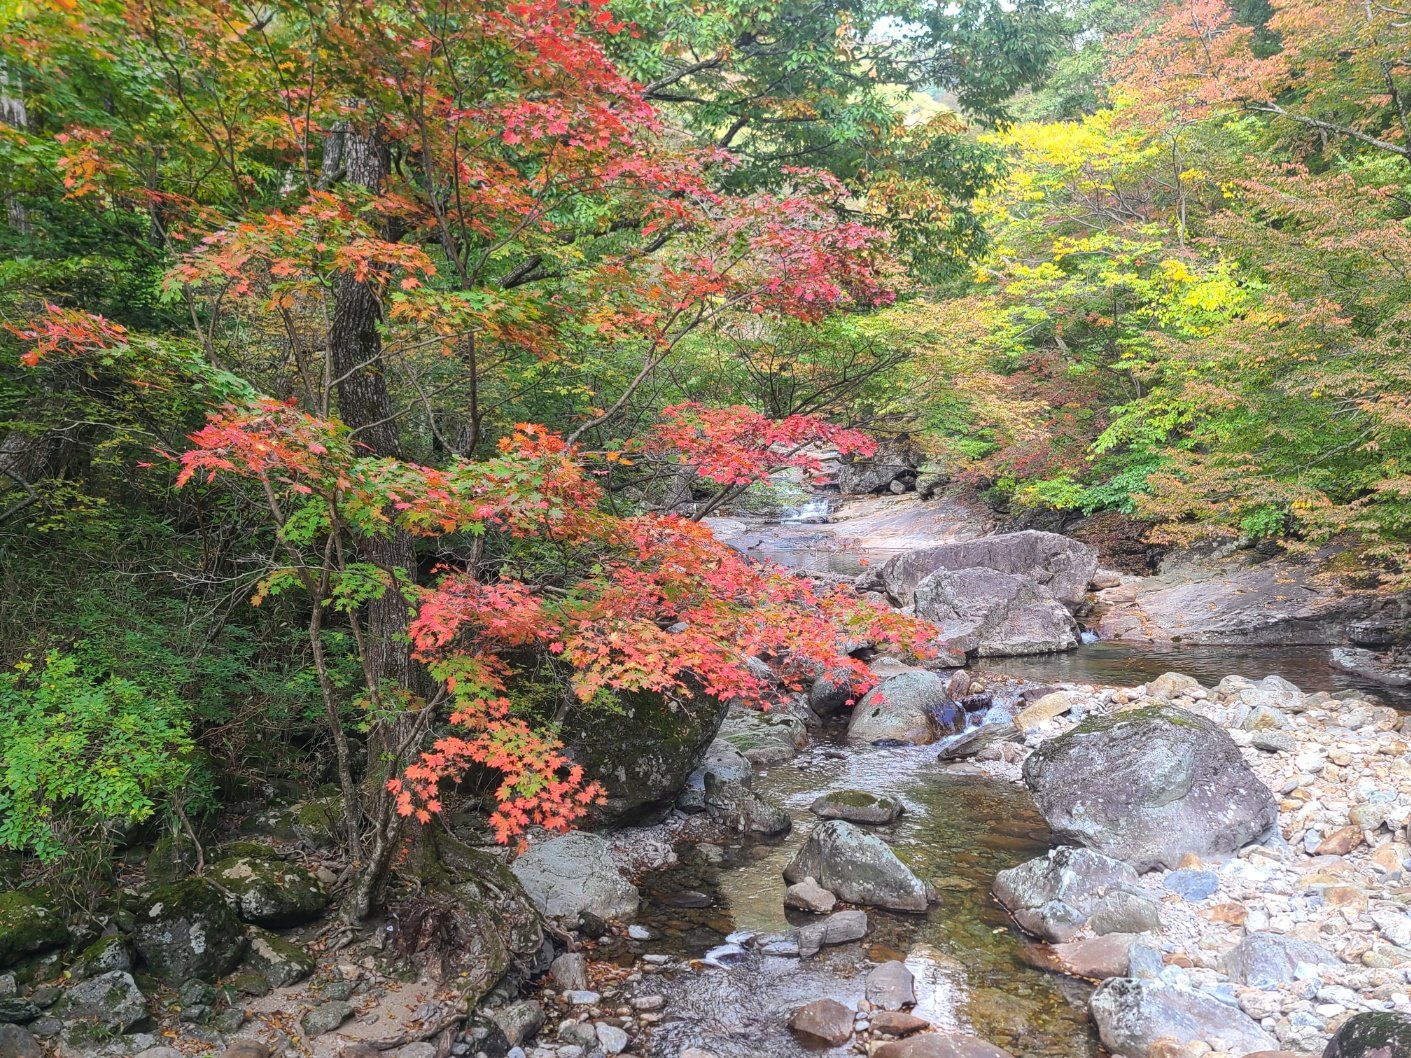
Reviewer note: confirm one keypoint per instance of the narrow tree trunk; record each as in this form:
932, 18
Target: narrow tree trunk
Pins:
365, 405
14, 114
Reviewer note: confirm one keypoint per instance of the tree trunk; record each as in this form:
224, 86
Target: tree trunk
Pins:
14, 114
365, 405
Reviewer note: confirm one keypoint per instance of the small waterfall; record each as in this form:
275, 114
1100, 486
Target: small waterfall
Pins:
814, 512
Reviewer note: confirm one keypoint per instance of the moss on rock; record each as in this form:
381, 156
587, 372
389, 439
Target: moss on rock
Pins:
269, 891
29, 923
187, 931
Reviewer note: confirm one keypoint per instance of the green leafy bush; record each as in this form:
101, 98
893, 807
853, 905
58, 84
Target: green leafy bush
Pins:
83, 755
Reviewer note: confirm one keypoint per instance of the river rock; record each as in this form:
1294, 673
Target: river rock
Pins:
1380, 1034
841, 927
857, 867
1094, 958
736, 807
890, 986
668, 736
723, 761
326, 1017
1045, 709
896, 1023
995, 614
29, 923
1052, 896
1124, 912
940, 1045
568, 875
824, 1021
106, 1005
831, 693
808, 895
978, 739
519, 1021
902, 708
1266, 960
1171, 685
1061, 565
187, 931
1149, 787
570, 971
764, 738
857, 806
611, 1039
269, 891
1131, 1015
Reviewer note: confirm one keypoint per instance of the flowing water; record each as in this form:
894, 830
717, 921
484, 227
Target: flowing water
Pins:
957, 831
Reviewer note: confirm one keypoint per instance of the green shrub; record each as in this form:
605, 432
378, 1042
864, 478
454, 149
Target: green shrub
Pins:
83, 755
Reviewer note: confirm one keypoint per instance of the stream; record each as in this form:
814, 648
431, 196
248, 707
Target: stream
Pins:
958, 830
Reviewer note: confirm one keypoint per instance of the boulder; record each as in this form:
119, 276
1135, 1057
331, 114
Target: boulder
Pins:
1131, 1015
1266, 960
568, 875
764, 737
978, 739
16, 1042
29, 923
1380, 1034
890, 986
831, 694
1124, 912
519, 1021
857, 806
279, 961
841, 927
736, 807
187, 931
1045, 709
113, 952
857, 867
1059, 564
723, 761
268, 890
106, 1005
1149, 787
317, 823
326, 1017
1093, 958
905, 708
994, 614
1053, 896
824, 1021
668, 735
896, 1023
1171, 685
940, 1045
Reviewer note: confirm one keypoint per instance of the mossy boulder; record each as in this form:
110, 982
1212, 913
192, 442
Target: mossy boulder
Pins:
1370, 1035
171, 859
187, 931
857, 806
667, 736
269, 891
105, 1005
29, 923
113, 952
317, 823
764, 738
277, 961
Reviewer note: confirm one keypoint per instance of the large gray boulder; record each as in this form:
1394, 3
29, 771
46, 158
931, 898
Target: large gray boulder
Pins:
1266, 960
1149, 786
1059, 563
1053, 896
735, 806
995, 614
568, 875
668, 737
1131, 1015
268, 890
1380, 1034
186, 931
913, 707
857, 867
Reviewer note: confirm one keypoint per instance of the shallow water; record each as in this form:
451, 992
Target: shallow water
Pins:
957, 831
1129, 664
